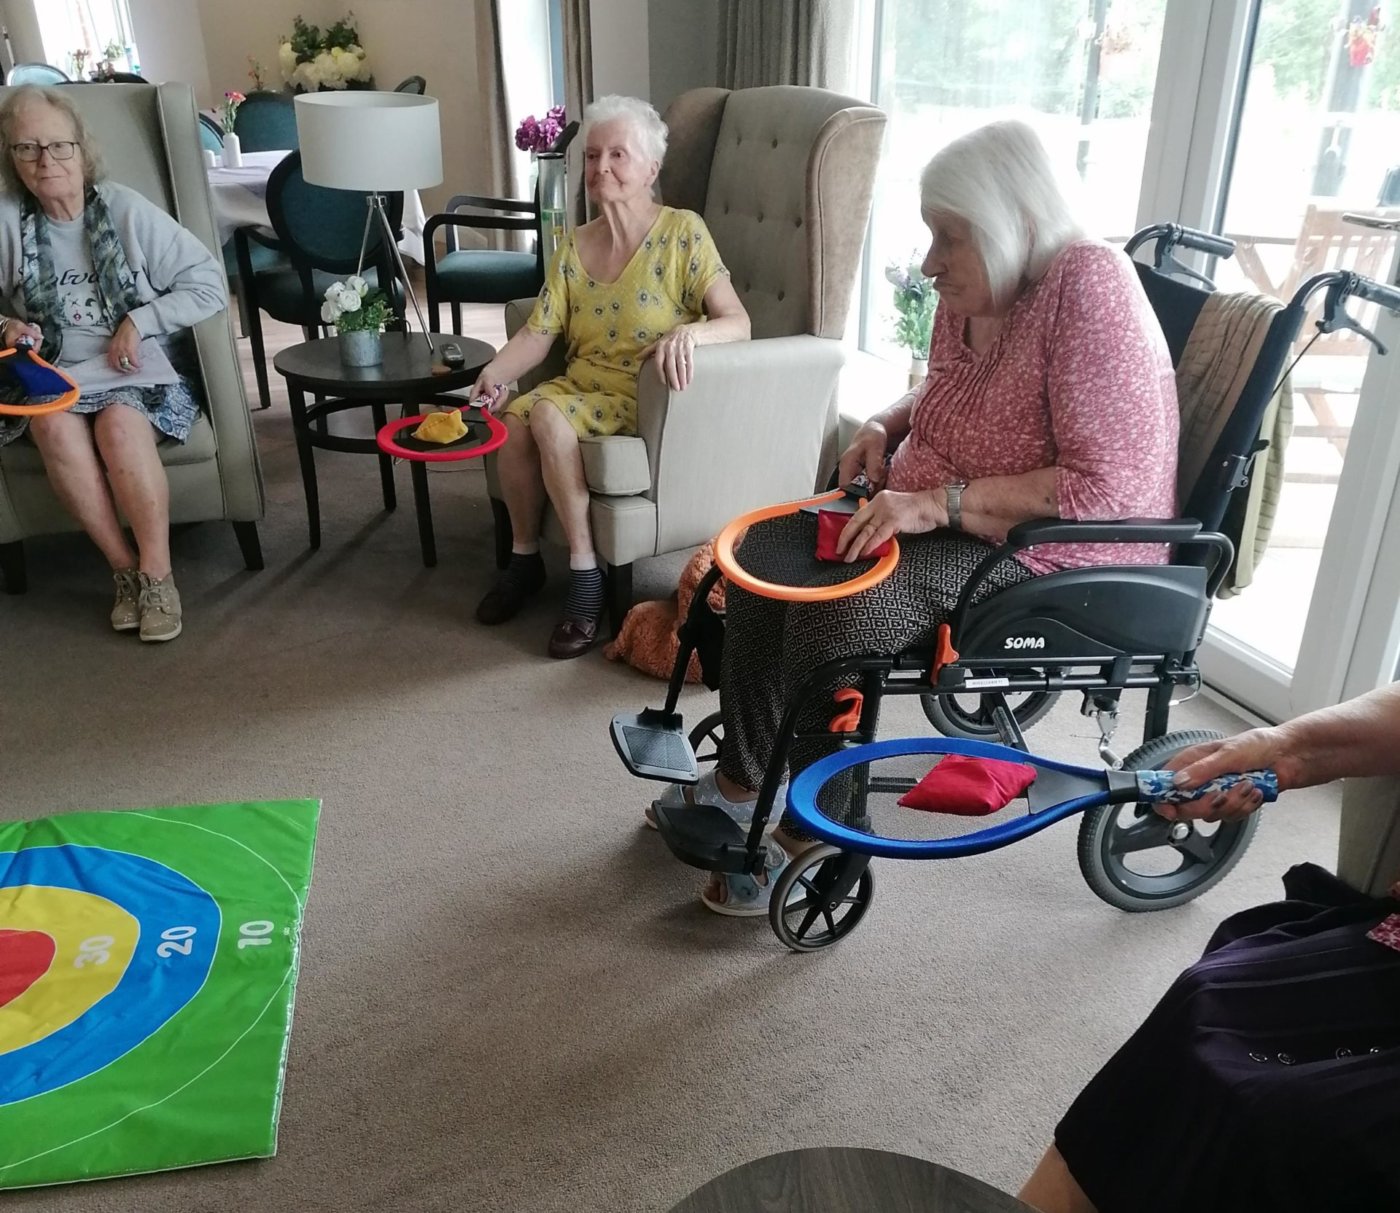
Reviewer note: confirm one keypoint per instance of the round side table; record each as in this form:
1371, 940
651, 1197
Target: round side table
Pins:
836, 1179
485, 433
405, 376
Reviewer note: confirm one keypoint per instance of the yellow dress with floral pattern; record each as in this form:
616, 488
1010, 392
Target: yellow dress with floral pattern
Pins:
607, 324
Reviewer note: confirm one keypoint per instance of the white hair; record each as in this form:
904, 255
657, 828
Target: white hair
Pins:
998, 179
645, 122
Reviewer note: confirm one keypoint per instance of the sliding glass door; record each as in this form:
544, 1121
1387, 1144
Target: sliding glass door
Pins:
1271, 121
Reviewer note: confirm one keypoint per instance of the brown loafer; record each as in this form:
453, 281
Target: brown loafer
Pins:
572, 637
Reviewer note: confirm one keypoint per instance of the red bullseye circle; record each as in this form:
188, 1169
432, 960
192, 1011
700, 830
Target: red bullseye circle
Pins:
25, 956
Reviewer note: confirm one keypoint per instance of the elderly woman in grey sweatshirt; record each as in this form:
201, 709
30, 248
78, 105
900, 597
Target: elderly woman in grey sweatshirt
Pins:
102, 282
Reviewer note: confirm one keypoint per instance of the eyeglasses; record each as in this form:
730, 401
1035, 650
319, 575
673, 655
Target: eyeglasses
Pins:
59, 149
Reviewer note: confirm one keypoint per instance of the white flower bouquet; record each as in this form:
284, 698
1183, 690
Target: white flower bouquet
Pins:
354, 306
313, 59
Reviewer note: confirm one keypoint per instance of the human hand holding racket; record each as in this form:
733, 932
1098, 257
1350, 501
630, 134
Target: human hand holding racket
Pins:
885, 516
20, 332
867, 456
1198, 765
487, 393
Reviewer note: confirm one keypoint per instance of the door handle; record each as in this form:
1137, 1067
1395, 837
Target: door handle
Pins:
1374, 221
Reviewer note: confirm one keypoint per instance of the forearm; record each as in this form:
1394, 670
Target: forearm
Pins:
522, 353
719, 329
992, 505
895, 419
1357, 738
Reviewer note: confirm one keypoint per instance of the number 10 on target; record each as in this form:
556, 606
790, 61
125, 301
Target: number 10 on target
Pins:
254, 934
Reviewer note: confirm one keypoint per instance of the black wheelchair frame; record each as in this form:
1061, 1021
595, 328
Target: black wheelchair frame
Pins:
1099, 631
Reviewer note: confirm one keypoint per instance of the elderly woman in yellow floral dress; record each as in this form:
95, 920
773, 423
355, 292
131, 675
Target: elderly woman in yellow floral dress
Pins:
641, 283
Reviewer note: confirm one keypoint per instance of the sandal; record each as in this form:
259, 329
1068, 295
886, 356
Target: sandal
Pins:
706, 791
745, 896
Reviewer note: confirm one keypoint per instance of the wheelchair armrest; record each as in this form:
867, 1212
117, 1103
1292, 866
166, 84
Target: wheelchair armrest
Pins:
1036, 531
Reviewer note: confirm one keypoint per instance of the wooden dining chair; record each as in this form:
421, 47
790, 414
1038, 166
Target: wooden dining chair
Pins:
412, 84
266, 122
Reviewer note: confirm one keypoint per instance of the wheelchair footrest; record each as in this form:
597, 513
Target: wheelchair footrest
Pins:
653, 745
704, 837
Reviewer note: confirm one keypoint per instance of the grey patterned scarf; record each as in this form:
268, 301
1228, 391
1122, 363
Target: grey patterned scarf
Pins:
116, 285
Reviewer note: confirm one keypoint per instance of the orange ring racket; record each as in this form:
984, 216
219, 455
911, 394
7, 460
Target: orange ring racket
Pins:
733, 572
22, 366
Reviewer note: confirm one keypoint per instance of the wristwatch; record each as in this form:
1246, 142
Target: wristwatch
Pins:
955, 492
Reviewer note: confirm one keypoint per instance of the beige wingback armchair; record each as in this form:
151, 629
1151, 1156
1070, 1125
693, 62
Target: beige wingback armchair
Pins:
149, 138
783, 177
1369, 850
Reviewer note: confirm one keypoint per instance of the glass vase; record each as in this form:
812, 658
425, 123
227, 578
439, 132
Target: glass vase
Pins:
918, 370
361, 347
552, 191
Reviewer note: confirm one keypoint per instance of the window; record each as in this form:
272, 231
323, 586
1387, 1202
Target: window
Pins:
80, 34
1080, 71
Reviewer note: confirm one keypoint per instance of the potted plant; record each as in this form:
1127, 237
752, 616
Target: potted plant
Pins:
359, 313
915, 301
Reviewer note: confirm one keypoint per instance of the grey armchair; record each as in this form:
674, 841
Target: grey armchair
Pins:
1369, 845
149, 137
783, 177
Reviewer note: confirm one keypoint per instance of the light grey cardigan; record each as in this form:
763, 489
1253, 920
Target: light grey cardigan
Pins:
177, 279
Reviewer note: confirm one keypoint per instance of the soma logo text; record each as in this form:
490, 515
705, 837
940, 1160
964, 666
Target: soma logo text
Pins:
1024, 642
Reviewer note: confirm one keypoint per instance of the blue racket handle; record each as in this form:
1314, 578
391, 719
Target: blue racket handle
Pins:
1157, 786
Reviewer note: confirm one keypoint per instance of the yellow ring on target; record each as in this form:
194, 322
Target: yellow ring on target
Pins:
94, 941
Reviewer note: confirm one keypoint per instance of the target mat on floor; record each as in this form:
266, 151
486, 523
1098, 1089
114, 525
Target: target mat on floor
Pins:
148, 961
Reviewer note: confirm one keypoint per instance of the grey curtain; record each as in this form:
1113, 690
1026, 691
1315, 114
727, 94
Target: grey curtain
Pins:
804, 42
502, 180
578, 88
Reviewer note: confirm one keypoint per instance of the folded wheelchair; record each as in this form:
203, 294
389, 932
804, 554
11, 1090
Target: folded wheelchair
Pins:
999, 666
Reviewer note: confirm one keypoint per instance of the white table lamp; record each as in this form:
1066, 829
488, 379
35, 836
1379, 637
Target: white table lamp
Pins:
376, 142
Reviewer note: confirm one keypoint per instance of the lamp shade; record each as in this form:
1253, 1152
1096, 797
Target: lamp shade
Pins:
371, 141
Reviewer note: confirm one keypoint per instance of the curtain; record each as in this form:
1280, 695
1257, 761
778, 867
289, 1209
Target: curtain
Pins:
578, 87
502, 180
806, 42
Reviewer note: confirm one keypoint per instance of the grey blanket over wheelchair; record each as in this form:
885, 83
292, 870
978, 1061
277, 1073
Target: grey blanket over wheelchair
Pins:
1220, 354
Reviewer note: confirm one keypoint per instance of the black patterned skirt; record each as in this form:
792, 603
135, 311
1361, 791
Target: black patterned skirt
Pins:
1266, 1079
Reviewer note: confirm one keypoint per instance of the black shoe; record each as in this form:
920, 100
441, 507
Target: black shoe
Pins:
521, 581
572, 638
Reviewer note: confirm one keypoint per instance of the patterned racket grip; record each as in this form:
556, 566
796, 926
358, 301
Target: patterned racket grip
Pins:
1156, 786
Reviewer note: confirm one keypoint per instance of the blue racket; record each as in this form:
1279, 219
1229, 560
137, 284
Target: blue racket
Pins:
1075, 788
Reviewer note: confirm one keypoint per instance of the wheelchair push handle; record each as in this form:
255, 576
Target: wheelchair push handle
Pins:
1157, 787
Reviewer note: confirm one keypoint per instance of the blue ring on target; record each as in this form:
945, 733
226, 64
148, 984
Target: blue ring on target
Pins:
160, 976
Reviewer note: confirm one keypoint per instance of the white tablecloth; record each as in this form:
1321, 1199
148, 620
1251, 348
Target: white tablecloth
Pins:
240, 200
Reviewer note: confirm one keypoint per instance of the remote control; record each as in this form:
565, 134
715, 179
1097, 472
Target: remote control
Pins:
452, 355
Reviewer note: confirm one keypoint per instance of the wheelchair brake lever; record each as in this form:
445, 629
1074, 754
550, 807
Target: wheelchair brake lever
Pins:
1335, 315
1168, 262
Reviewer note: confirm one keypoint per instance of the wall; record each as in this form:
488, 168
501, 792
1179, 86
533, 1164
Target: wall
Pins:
20, 19
170, 42
684, 39
435, 39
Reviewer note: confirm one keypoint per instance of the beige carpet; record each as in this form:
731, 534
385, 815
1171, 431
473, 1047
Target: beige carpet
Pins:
511, 998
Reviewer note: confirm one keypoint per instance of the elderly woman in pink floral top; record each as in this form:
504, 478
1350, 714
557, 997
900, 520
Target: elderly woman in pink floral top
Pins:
1050, 393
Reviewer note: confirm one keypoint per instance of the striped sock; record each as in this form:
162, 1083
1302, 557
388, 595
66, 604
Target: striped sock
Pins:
584, 603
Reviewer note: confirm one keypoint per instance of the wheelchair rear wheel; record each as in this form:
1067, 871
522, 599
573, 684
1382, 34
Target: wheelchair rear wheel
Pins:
1137, 861
970, 716
800, 910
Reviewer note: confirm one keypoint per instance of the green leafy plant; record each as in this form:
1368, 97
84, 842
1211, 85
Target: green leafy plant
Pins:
354, 306
915, 301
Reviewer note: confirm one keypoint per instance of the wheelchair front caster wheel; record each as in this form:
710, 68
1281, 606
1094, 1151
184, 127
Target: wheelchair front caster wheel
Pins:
1136, 860
706, 738
820, 898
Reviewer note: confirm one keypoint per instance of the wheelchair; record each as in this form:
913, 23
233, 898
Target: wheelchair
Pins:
999, 666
